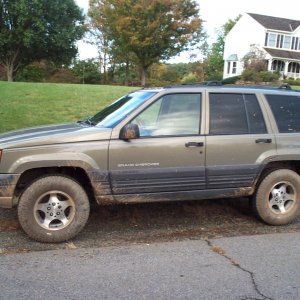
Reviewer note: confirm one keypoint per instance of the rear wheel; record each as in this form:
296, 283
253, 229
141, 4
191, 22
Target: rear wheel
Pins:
276, 201
53, 209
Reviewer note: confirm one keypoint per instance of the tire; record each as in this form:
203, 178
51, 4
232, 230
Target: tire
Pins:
53, 209
276, 201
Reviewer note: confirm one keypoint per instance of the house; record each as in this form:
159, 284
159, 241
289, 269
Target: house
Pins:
277, 38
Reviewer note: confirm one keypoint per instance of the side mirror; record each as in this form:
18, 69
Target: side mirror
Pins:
129, 132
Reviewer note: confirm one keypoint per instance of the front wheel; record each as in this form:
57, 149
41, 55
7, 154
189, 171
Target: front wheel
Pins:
53, 209
277, 199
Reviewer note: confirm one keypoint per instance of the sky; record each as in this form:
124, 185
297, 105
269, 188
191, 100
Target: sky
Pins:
215, 13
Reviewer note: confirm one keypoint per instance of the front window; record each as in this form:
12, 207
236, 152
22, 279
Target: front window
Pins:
171, 115
117, 111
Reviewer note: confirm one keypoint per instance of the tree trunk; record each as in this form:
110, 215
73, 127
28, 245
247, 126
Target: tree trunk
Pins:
143, 75
126, 80
9, 72
11, 65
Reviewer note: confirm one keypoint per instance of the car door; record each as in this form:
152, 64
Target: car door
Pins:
169, 155
239, 141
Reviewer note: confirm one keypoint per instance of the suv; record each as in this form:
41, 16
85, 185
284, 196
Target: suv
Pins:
187, 142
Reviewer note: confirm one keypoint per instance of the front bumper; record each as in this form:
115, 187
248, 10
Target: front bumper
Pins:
8, 184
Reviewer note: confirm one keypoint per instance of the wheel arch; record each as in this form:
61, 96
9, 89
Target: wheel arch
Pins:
29, 176
293, 165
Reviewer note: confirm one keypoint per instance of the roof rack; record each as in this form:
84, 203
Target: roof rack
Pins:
203, 83
284, 86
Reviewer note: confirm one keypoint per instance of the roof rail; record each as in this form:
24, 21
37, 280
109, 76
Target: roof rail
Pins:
212, 83
203, 83
284, 86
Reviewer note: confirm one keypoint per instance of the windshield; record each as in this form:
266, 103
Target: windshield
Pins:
118, 110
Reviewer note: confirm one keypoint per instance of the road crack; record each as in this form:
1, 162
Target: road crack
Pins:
221, 251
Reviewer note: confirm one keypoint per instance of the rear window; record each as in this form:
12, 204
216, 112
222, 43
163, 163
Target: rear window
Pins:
235, 114
286, 110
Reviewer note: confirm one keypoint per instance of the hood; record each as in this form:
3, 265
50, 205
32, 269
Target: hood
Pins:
53, 134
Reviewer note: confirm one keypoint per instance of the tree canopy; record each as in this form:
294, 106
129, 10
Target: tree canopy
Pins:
31, 30
214, 63
149, 29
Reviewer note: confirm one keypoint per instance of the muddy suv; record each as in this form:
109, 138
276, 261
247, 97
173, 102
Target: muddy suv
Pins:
175, 143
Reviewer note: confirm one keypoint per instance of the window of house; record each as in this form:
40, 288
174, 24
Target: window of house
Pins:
294, 67
228, 67
287, 42
266, 39
286, 110
171, 115
234, 67
235, 114
293, 43
279, 41
272, 39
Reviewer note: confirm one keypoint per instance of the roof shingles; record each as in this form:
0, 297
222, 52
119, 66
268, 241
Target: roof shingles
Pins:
283, 53
275, 23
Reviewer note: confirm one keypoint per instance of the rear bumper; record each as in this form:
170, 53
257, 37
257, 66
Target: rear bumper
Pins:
8, 184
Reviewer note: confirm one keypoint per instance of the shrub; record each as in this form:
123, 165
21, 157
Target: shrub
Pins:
32, 73
292, 81
231, 80
63, 75
190, 78
267, 76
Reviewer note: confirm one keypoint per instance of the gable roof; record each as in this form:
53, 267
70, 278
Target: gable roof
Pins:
276, 23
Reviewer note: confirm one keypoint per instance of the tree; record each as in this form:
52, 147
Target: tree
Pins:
214, 62
88, 71
31, 30
149, 29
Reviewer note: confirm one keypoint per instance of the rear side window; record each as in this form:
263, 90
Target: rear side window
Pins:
286, 110
235, 114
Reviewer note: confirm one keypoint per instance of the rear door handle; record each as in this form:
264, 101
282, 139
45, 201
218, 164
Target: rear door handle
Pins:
263, 141
194, 144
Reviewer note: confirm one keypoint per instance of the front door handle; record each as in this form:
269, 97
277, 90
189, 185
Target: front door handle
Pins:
194, 144
263, 141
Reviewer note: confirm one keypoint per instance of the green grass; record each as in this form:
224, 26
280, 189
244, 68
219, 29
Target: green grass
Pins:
32, 104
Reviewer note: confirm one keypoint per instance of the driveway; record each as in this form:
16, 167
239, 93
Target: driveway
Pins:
252, 267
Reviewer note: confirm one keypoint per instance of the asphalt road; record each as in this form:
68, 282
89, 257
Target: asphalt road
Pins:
213, 249
252, 267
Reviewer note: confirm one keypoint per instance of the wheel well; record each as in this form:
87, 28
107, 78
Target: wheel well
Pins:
76, 173
273, 166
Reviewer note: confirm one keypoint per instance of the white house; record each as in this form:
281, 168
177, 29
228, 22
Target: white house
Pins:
277, 38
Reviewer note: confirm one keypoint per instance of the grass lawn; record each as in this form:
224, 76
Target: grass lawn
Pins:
32, 104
